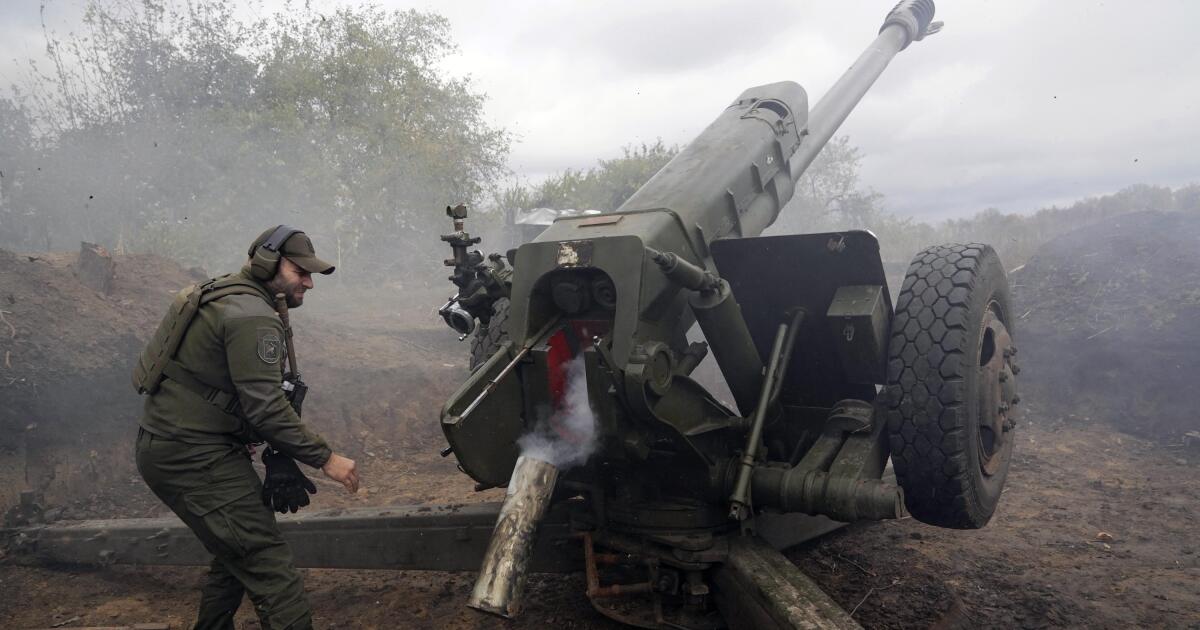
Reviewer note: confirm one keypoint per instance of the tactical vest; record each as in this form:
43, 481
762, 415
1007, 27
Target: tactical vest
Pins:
157, 361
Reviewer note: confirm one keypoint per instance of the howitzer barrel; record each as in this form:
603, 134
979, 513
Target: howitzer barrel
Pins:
736, 176
909, 21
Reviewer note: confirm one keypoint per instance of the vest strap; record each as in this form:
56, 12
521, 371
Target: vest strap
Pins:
223, 400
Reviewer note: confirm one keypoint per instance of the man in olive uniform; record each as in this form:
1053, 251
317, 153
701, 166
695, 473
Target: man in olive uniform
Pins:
221, 391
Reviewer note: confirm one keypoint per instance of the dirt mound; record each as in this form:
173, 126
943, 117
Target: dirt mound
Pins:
65, 356
1108, 318
380, 367
56, 325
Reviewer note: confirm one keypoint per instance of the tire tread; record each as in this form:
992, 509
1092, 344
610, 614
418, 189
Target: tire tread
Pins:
927, 368
487, 340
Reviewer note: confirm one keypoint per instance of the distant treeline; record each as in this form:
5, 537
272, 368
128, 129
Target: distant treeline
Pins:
1017, 236
830, 196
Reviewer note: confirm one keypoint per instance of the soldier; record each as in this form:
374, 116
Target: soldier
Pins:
214, 377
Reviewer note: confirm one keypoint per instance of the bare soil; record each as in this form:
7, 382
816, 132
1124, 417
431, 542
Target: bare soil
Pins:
1096, 527
1044, 560
1107, 322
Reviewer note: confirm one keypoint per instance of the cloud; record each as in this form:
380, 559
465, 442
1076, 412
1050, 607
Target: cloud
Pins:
656, 38
1059, 106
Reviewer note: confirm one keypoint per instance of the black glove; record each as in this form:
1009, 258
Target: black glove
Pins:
284, 487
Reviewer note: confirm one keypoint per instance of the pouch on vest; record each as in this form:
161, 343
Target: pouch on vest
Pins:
148, 372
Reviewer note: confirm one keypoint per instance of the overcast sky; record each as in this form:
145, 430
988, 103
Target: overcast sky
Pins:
1017, 104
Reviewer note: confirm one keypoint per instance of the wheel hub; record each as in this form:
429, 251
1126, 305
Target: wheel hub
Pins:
997, 392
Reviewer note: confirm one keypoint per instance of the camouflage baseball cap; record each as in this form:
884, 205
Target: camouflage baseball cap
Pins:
298, 249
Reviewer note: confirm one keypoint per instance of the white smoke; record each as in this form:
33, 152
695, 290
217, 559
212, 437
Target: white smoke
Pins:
568, 436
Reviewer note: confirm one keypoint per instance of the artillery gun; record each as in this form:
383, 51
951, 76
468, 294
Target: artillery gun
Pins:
617, 462
827, 378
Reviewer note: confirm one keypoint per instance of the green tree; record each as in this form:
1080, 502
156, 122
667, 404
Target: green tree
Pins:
140, 60
830, 195
1187, 199
392, 139
176, 127
602, 187
16, 146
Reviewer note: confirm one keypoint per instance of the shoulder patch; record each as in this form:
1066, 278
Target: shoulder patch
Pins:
269, 345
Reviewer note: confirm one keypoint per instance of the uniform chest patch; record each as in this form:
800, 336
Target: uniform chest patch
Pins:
269, 345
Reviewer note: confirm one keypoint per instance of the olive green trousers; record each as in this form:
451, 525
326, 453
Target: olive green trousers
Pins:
213, 488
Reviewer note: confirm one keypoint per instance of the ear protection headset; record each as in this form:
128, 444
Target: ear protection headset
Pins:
264, 262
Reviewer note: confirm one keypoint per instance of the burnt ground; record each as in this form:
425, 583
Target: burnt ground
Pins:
1040, 563
1095, 529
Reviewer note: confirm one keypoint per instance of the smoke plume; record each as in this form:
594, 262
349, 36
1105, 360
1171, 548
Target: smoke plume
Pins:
567, 437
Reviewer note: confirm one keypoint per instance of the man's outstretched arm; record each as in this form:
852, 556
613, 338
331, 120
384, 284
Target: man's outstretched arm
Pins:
254, 348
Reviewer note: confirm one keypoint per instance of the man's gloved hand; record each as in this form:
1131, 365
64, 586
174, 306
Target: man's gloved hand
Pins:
294, 390
284, 487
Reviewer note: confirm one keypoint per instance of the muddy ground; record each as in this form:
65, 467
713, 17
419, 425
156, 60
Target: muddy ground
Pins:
1096, 527
1040, 563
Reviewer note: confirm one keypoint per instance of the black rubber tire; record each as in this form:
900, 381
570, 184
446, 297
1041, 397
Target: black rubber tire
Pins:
486, 341
932, 385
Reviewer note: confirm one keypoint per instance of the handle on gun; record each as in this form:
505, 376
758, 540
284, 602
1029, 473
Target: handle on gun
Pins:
282, 309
